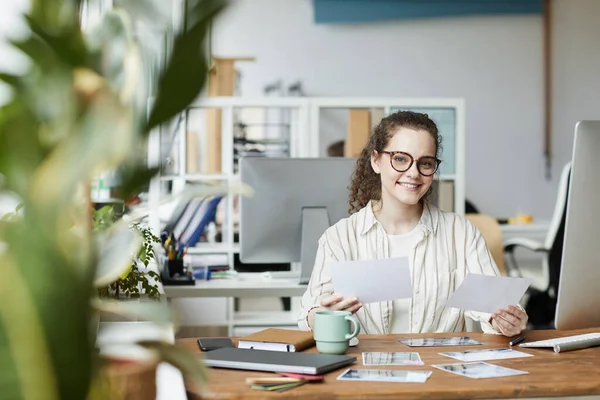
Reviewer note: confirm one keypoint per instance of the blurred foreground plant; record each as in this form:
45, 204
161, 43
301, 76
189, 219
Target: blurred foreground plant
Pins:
79, 110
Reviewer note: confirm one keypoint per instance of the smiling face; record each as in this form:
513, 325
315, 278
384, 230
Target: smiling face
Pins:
408, 187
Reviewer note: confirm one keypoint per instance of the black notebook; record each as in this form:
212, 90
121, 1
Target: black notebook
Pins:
275, 361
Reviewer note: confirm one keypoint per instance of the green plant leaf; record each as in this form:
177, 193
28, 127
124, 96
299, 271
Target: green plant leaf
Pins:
56, 15
116, 55
154, 311
68, 46
22, 328
133, 180
187, 69
12, 80
63, 316
37, 51
188, 363
116, 247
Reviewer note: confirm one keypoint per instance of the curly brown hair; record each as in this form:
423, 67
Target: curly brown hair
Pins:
366, 184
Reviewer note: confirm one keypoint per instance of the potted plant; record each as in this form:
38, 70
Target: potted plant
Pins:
79, 109
140, 279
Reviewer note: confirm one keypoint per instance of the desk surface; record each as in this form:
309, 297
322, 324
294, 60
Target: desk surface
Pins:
550, 374
244, 285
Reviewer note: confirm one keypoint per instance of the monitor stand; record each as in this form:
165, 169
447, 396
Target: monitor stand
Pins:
315, 221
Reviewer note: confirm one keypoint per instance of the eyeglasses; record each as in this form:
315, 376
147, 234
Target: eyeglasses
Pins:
402, 162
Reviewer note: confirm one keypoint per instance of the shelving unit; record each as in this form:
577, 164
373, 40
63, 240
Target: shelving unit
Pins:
448, 113
303, 141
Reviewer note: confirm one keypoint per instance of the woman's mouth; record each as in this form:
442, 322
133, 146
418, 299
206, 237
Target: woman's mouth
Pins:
409, 186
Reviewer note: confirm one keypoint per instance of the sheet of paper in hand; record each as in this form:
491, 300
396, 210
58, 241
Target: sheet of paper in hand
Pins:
479, 370
435, 342
487, 293
485, 354
372, 280
390, 358
384, 375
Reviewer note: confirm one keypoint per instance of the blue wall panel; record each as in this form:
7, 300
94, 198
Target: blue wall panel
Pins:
345, 11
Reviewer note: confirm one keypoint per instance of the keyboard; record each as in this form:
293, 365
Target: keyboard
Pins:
568, 343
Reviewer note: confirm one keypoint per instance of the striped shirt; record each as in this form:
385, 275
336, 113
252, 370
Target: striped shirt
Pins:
448, 248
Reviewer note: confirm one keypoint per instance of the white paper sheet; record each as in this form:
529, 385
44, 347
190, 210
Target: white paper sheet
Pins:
384, 375
372, 280
479, 370
487, 293
485, 354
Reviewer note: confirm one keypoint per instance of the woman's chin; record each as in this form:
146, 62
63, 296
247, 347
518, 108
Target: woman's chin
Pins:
410, 199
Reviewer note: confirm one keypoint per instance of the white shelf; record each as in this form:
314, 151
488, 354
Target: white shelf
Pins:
195, 177
215, 248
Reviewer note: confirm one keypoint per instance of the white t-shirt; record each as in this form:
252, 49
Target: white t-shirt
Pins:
402, 246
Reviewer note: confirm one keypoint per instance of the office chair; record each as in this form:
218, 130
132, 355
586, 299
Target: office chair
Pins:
554, 237
541, 303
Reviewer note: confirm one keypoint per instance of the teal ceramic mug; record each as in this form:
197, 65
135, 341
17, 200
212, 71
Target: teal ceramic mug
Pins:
333, 331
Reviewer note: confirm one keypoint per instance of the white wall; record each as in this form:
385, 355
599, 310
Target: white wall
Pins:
495, 63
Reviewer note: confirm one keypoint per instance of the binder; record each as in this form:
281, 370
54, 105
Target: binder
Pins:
275, 339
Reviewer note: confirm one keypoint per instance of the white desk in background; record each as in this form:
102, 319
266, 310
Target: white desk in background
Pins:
243, 285
535, 230
210, 303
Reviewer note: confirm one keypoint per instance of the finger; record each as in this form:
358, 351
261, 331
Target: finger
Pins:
517, 312
505, 328
510, 318
355, 308
520, 314
331, 300
347, 303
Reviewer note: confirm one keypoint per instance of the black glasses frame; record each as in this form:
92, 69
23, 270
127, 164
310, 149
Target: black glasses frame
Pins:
412, 160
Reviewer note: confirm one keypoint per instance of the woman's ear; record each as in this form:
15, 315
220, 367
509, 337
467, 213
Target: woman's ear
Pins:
375, 158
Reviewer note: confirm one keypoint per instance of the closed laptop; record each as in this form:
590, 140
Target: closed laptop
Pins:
275, 361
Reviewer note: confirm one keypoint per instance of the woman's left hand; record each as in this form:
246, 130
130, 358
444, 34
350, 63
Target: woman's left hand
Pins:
510, 321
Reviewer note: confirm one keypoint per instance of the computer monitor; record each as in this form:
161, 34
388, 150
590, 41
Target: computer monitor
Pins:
295, 200
578, 291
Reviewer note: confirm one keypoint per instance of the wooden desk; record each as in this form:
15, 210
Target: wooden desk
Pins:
573, 373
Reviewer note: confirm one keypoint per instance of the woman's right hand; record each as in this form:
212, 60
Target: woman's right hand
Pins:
337, 302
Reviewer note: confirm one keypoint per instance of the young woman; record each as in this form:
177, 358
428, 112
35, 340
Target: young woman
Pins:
391, 217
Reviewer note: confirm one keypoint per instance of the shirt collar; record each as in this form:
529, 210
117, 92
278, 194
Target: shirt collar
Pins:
429, 218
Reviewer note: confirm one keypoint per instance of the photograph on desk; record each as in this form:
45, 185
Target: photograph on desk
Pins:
479, 370
485, 354
384, 375
435, 342
390, 358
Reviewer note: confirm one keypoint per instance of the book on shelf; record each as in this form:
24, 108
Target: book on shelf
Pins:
276, 339
190, 221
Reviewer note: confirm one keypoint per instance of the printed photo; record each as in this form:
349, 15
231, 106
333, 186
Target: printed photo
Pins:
479, 370
485, 354
391, 358
383, 375
435, 342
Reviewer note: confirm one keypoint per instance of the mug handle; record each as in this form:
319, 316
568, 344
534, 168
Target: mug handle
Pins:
356, 324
